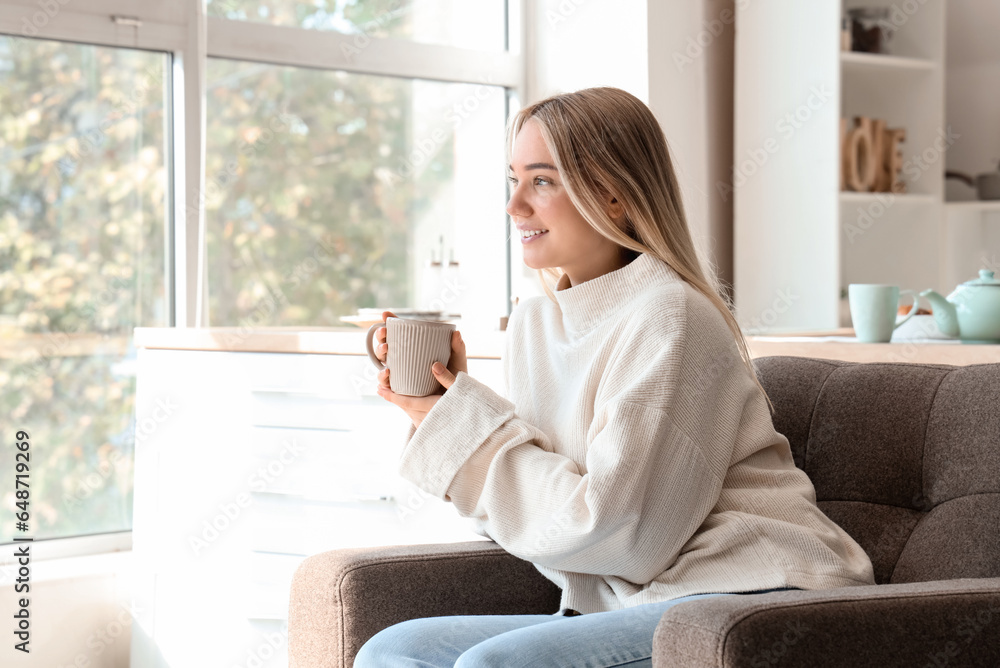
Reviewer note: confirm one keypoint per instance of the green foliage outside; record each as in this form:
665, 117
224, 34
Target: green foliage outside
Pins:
83, 182
308, 216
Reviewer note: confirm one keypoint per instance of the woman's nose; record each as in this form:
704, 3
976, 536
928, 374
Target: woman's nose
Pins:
516, 206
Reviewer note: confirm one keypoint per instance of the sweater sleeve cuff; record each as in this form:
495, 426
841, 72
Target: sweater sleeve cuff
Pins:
462, 420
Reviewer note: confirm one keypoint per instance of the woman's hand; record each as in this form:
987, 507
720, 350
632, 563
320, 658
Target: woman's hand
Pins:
382, 349
418, 407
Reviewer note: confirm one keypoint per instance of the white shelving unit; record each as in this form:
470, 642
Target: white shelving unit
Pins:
794, 230
848, 198
850, 60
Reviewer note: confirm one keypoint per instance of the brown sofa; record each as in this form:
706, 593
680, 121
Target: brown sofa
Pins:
905, 457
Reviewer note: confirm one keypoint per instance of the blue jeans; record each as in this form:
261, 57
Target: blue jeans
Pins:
597, 640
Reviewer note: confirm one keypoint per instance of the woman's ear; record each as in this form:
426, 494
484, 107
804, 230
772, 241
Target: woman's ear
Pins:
615, 210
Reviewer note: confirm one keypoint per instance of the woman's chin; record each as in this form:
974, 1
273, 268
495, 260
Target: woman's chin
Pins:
535, 263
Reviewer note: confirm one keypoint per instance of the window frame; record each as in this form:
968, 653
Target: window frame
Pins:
186, 32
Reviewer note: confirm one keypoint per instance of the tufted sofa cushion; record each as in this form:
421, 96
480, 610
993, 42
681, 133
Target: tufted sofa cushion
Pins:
908, 464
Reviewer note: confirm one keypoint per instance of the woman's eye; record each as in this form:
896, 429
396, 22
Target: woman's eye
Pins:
538, 181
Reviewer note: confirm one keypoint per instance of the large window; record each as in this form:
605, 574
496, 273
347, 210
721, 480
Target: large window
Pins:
83, 190
332, 191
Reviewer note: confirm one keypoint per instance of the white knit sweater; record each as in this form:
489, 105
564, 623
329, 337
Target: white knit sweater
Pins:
635, 460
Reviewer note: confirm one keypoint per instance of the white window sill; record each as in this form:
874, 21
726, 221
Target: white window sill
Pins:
67, 558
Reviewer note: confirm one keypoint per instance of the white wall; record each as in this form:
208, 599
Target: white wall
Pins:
80, 613
691, 93
582, 43
972, 107
972, 89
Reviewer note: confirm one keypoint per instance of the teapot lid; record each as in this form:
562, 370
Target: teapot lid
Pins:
985, 278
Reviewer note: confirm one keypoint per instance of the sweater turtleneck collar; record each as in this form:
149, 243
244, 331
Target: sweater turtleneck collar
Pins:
586, 304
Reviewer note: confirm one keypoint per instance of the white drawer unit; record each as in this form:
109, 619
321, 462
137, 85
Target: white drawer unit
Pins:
245, 464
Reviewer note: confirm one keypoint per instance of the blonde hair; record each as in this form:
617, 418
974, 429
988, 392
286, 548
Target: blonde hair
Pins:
605, 141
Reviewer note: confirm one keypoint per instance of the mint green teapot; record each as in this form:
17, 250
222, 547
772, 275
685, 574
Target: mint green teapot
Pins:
971, 312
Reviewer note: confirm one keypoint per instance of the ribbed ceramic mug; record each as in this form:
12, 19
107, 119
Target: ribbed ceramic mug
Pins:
873, 310
414, 346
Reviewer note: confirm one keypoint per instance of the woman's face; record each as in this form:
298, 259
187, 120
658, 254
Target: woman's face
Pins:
539, 204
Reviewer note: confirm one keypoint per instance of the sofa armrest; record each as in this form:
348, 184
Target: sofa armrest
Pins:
340, 599
941, 623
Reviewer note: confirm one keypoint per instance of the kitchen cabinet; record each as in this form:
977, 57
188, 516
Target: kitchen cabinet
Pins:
245, 463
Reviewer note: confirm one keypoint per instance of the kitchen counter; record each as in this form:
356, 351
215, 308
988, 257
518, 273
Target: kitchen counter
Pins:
837, 344
841, 347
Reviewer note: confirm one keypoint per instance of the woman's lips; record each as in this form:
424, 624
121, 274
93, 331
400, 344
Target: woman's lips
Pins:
533, 237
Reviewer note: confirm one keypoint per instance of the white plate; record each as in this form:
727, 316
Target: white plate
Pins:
367, 320
398, 311
916, 328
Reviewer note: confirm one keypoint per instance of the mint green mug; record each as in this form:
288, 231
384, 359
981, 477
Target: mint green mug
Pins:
873, 310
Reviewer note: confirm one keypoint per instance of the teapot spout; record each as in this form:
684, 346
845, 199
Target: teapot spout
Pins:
945, 316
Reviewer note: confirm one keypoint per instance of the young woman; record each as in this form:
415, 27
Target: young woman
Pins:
634, 460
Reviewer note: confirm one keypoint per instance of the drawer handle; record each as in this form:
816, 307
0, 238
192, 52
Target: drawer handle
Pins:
295, 427
357, 498
296, 393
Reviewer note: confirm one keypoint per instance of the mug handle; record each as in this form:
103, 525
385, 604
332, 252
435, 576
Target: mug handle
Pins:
913, 310
371, 349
